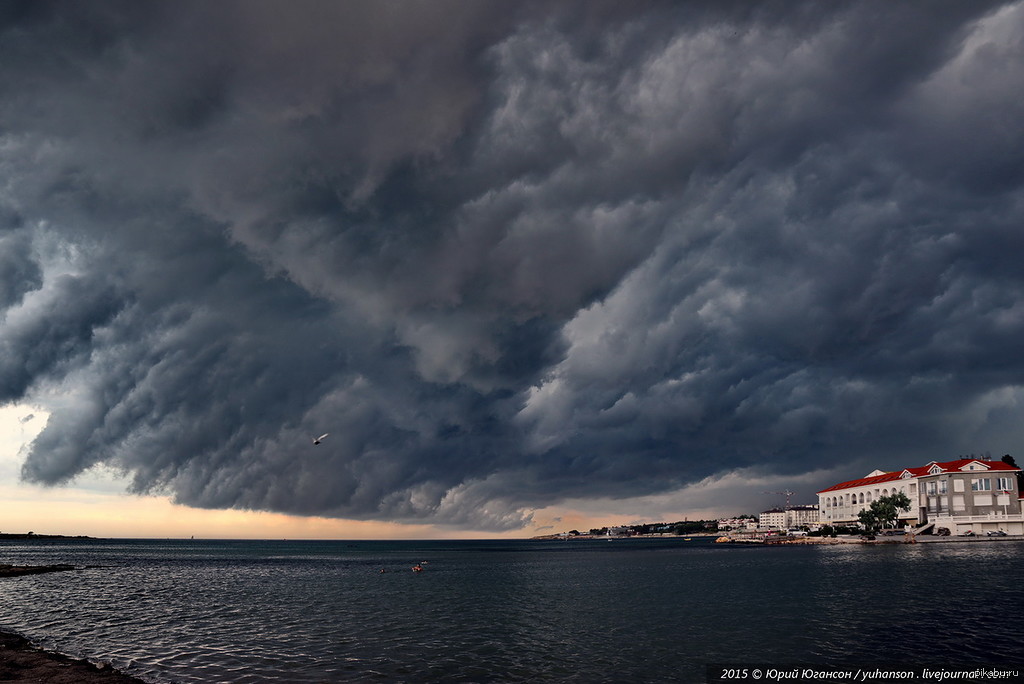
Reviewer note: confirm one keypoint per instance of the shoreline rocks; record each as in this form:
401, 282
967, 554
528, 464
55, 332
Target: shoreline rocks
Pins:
22, 662
19, 570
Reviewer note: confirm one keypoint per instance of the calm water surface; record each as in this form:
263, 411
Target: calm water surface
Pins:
583, 611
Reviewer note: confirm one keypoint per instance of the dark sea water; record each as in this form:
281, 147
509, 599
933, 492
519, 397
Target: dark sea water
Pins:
500, 611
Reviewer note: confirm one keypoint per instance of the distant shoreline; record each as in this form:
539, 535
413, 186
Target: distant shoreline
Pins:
33, 535
656, 535
791, 541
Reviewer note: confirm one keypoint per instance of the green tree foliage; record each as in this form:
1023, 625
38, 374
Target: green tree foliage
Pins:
1008, 460
691, 527
884, 511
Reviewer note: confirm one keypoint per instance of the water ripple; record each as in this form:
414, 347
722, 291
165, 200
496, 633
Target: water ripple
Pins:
257, 613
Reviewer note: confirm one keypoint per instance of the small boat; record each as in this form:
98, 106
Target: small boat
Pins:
417, 568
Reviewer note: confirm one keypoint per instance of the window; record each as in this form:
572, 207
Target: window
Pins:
958, 485
942, 486
1003, 484
983, 484
931, 489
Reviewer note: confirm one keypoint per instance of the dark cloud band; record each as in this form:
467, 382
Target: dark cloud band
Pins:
506, 256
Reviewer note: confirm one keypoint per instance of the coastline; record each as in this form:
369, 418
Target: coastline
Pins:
19, 570
22, 662
789, 541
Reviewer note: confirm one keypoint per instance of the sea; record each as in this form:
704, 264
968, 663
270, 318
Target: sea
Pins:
623, 610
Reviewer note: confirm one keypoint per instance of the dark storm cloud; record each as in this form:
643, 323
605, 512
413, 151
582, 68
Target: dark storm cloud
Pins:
507, 256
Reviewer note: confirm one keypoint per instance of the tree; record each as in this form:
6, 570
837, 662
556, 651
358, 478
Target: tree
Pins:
884, 511
1008, 460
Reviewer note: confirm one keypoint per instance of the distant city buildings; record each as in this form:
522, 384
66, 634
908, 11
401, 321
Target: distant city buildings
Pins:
737, 524
967, 494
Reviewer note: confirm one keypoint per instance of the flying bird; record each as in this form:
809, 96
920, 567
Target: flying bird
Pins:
317, 440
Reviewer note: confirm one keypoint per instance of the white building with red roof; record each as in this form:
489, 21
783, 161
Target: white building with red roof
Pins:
966, 494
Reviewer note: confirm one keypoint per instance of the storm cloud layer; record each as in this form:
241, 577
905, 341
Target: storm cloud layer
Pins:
507, 254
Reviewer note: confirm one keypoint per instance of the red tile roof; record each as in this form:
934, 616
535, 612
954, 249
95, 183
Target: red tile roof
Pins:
947, 467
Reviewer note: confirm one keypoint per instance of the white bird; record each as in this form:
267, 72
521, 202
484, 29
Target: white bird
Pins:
317, 440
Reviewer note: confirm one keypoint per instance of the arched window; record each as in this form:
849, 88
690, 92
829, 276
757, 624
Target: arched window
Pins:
861, 497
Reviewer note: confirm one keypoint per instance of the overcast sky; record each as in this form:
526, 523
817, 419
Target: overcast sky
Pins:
509, 255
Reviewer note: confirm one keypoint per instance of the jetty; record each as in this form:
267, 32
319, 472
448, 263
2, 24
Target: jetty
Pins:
19, 570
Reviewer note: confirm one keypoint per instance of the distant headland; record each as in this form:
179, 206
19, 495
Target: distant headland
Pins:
33, 535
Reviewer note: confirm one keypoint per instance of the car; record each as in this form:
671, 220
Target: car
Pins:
942, 532
968, 533
996, 533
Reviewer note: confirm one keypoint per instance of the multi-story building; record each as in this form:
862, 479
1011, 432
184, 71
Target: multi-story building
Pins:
737, 524
965, 494
772, 519
788, 517
802, 516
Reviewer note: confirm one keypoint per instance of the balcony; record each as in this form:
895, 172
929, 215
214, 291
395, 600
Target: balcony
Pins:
990, 517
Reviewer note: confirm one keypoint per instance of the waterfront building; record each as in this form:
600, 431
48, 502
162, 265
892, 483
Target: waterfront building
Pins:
737, 524
973, 494
788, 517
772, 519
802, 516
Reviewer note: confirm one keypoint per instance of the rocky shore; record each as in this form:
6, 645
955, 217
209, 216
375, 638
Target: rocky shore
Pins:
23, 663
18, 570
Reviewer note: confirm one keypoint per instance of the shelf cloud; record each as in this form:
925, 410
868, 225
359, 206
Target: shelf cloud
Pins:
507, 255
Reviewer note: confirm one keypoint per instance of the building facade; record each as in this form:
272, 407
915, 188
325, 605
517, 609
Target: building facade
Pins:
789, 517
965, 494
737, 524
802, 516
772, 519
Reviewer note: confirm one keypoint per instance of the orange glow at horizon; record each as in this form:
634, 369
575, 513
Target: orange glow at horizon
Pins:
96, 505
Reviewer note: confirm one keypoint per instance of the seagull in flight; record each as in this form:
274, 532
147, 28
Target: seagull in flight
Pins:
317, 440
